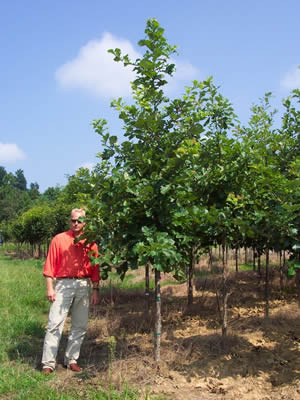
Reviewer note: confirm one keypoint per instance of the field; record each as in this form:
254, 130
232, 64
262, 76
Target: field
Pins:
259, 359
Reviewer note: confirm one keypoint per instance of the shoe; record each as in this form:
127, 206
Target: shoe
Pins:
74, 367
47, 371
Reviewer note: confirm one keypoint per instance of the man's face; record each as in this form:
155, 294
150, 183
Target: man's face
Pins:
75, 225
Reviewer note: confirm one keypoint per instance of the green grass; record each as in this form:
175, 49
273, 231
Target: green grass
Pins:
114, 281
23, 315
15, 377
20, 382
249, 267
23, 307
246, 267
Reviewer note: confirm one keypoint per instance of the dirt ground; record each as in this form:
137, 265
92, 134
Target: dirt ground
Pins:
258, 359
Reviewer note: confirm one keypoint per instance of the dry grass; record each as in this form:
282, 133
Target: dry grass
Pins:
193, 353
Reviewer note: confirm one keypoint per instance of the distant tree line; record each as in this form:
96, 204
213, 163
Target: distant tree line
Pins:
29, 218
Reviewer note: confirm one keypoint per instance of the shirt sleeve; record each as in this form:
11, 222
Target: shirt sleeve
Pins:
51, 260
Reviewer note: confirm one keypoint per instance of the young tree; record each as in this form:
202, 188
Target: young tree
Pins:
37, 225
140, 197
137, 178
265, 190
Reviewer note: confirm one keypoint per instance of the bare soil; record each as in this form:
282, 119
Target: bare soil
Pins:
258, 359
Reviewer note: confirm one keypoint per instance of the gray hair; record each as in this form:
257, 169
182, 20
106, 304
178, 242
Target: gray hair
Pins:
78, 210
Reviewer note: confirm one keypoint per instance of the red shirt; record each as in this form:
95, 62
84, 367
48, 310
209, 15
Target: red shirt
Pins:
66, 259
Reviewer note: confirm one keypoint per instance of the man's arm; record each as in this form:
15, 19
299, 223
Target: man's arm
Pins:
50, 292
95, 278
95, 293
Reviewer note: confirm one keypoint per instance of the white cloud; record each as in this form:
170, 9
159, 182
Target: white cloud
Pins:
95, 71
10, 152
291, 80
184, 74
185, 70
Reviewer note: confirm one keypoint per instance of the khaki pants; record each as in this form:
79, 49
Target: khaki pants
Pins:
71, 295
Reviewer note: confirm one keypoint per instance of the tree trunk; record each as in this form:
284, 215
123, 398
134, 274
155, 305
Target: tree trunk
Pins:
267, 281
157, 331
111, 292
246, 255
236, 255
147, 288
225, 293
254, 259
298, 283
259, 265
210, 259
190, 277
281, 270
46, 249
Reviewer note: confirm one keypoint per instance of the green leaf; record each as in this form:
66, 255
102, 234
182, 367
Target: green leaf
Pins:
113, 140
291, 272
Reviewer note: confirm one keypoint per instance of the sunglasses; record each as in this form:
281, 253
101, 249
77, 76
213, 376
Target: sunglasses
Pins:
76, 220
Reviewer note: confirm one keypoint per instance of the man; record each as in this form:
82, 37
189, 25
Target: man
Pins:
69, 265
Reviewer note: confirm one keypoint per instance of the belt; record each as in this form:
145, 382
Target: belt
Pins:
73, 277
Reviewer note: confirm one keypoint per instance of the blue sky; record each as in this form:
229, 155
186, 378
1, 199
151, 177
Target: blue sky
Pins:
56, 76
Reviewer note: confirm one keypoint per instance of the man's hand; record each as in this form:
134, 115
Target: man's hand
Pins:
51, 294
95, 299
